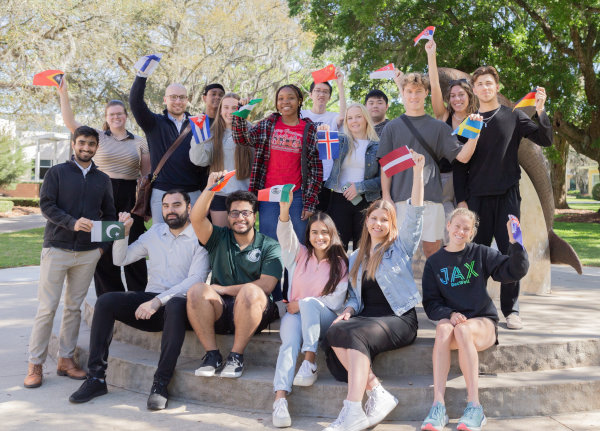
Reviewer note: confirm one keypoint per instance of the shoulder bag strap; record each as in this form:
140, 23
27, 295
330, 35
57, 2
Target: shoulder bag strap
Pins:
417, 135
171, 150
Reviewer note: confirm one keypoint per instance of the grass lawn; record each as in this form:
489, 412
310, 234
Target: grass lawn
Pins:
583, 206
584, 238
21, 248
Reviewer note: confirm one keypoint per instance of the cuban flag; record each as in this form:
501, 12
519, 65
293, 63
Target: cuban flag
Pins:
200, 128
146, 64
425, 34
396, 161
328, 144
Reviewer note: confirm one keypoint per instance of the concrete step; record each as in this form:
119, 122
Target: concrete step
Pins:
519, 353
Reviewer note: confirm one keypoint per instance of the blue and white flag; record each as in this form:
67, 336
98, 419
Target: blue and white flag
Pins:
200, 128
146, 65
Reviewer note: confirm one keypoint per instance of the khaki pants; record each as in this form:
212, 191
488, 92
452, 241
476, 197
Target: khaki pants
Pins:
55, 265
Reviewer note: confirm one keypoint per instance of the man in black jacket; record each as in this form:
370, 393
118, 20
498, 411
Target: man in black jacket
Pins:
73, 194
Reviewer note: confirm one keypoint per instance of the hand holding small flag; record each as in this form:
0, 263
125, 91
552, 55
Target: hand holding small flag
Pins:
147, 64
328, 73
328, 144
514, 230
220, 180
200, 128
397, 161
470, 127
49, 78
386, 72
244, 111
103, 231
279, 193
425, 34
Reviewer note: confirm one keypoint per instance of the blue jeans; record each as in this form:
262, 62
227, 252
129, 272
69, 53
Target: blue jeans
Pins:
156, 203
300, 329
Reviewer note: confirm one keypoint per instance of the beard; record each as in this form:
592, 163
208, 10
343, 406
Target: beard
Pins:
178, 222
83, 158
244, 230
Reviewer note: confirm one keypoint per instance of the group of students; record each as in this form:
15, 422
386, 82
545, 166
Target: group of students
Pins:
358, 305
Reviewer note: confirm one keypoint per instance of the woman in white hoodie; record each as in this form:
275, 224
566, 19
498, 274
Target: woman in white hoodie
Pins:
318, 274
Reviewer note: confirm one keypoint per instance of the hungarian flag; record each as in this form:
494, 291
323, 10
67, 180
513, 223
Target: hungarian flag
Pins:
324, 75
386, 72
515, 228
425, 34
220, 185
279, 193
146, 64
469, 128
200, 128
48, 78
396, 161
528, 100
328, 144
107, 231
245, 110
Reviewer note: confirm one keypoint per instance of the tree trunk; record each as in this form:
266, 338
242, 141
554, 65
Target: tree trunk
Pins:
558, 169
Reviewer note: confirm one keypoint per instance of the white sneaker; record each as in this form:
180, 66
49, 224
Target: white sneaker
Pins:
513, 321
281, 415
379, 404
307, 374
351, 418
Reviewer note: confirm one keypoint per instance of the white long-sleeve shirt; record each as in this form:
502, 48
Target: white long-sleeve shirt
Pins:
175, 262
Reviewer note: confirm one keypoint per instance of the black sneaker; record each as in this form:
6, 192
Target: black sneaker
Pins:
158, 398
90, 388
212, 363
234, 366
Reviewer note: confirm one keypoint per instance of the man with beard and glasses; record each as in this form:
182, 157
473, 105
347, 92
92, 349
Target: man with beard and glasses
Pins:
73, 194
176, 262
246, 266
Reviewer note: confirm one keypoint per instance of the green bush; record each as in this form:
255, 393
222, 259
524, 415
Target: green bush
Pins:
6, 206
23, 202
596, 192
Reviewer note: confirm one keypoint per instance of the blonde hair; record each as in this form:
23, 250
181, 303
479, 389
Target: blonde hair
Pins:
369, 262
416, 79
468, 214
371, 133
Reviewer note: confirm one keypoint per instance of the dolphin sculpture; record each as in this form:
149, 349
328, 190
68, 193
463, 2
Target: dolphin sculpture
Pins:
533, 161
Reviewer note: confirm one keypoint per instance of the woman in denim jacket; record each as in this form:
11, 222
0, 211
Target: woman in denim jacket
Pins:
355, 181
380, 311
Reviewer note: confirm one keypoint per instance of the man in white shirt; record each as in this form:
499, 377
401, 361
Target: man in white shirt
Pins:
176, 262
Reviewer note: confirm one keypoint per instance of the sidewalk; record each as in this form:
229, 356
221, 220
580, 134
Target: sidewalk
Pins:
47, 408
15, 224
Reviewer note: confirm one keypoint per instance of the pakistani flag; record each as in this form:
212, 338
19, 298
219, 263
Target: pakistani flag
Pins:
107, 231
276, 193
244, 111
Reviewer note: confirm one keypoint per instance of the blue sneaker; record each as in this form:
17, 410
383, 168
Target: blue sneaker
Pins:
472, 419
437, 418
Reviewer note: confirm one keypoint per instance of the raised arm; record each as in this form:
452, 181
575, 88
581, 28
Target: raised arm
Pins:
290, 246
244, 133
122, 253
65, 107
409, 233
511, 268
199, 216
342, 95
437, 99
139, 108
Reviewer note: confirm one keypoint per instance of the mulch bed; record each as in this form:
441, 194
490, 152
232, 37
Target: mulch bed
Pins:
578, 216
21, 211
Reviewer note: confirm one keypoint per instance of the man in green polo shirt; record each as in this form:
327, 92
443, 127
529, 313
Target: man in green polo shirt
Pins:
246, 266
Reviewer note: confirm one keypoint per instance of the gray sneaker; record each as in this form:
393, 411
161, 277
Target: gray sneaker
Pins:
234, 367
212, 363
513, 321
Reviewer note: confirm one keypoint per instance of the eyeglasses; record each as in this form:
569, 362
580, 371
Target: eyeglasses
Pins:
236, 214
325, 92
175, 97
458, 82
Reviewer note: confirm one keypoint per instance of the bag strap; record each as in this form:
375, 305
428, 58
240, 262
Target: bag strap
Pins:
171, 150
419, 137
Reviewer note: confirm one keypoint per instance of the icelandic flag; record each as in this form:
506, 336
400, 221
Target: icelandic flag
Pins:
146, 64
386, 72
515, 227
469, 128
425, 34
527, 100
397, 161
220, 185
49, 78
280, 193
328, 144
200, 128
107, 231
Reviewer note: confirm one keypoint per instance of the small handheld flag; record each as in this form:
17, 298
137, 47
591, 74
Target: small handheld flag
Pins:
515, 228
48, 78
107, 231
279, 193
200, 128
220, 185
245, 110
146, 64
396, 161
469, 128
328, 144
324, 75
386, 72
425, 34
527, 100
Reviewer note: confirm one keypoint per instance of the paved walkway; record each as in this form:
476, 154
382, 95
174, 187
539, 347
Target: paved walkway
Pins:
15, 224
47, 408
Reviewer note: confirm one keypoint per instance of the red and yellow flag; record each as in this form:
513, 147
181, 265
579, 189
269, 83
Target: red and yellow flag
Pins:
48, 78
324, 75
528, 100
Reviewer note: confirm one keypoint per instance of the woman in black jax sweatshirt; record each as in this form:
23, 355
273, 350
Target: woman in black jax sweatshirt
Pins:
454, 292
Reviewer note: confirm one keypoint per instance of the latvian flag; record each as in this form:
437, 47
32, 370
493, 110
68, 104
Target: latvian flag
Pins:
425, 34
397, 161
528, 100
245, 110
276, 193
200, 128
328, 144
386, 72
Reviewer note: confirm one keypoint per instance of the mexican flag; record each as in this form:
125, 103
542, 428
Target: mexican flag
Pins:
103, 231
276, 193
244, 111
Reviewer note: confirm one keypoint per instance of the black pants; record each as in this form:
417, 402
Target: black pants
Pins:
324, 197
171, 319
107, 277
348, 218
493, 214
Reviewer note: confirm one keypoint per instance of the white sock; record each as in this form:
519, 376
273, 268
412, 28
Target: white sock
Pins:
354, 405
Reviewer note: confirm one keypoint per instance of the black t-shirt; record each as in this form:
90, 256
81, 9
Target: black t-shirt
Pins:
457, 281
375, 302
445, 165
379, 127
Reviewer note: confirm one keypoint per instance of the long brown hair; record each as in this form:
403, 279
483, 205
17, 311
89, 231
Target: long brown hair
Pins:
369, 262
473, 104
115, 102
242, 155
335, 253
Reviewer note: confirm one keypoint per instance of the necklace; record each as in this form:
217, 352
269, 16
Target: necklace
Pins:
460, 120
487, 120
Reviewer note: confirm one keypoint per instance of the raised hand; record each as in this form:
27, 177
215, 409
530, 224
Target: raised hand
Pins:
127, 221
83, 224
430, 47
398, 77
419, 159
339, 75
214, 177
284, 209
540, 99
323, 127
